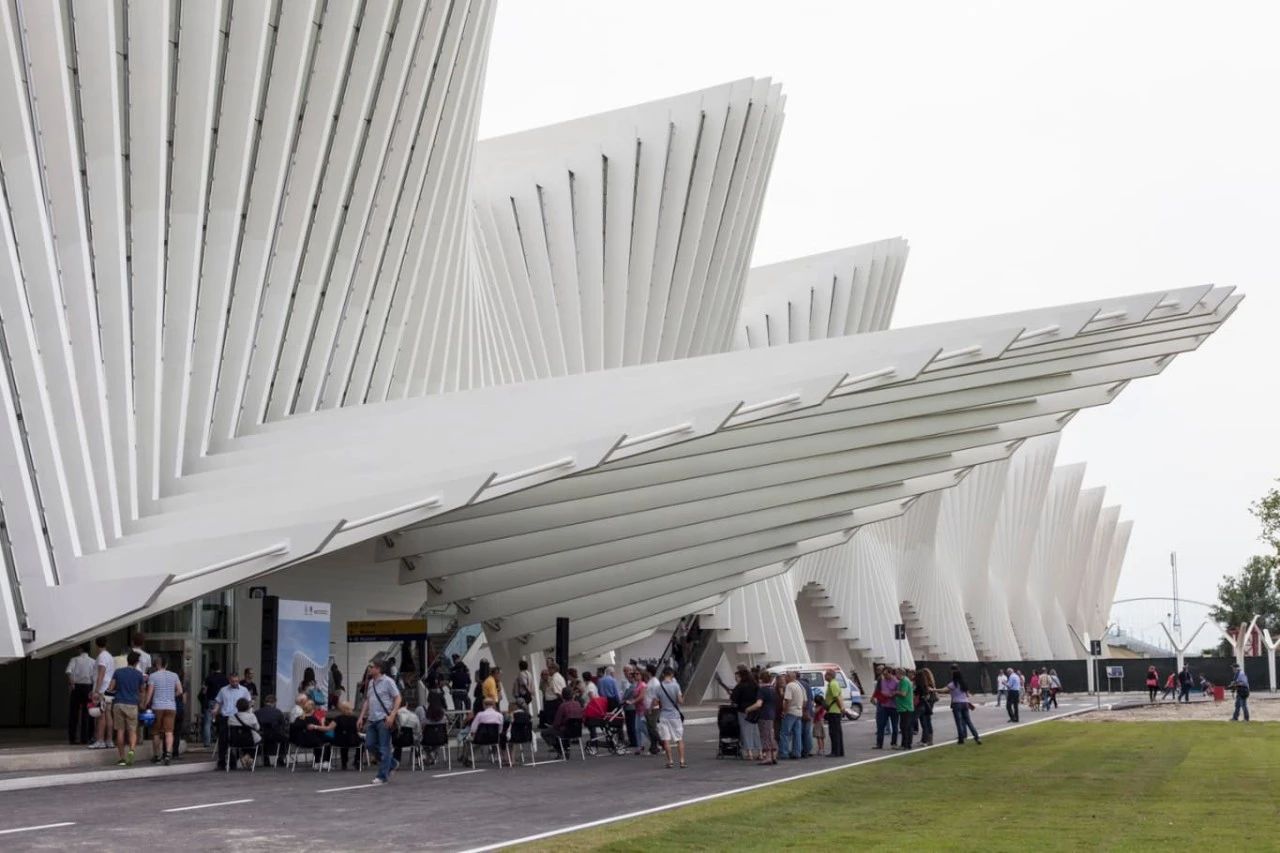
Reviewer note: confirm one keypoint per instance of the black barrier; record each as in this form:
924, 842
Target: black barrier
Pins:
981, 676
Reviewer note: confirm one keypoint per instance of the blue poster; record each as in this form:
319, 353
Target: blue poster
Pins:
303, 644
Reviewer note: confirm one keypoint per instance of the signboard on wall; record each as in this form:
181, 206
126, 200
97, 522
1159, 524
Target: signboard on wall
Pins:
386, 630
302, 643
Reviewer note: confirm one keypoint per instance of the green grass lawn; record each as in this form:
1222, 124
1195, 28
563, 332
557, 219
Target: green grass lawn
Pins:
1058, 785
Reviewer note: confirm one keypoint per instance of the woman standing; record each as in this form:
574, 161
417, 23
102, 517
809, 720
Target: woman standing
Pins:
961, 705
765, 710
926, 695
743, 697
886, 707
1153, 684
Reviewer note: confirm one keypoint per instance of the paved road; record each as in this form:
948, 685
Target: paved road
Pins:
279, 810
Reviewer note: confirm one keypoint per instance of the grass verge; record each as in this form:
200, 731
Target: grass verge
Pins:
1057, 785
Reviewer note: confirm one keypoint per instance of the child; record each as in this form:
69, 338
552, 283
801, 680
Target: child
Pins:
820, 726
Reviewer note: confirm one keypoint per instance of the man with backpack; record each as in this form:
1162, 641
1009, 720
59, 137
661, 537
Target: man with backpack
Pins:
1240, 684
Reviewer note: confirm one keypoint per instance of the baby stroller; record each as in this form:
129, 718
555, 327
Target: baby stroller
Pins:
608, 733
728, 744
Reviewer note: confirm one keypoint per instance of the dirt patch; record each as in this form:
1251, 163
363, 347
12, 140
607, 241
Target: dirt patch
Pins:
1261, 709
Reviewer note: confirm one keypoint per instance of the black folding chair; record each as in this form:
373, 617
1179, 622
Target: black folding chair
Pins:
490, 735
240, 742
435, 736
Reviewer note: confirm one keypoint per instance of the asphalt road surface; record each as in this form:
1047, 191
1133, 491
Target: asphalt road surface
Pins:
466, 809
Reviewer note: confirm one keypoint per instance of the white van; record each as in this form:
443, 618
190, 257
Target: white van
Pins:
815, 674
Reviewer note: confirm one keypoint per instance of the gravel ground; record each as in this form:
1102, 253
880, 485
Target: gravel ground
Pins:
1262, 708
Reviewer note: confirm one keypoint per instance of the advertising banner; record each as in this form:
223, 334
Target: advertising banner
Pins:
303, 644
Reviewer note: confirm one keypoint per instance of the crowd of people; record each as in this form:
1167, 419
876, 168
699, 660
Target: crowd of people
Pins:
1038, 693
638, 709
904, 699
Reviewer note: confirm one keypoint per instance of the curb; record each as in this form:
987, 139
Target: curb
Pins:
113, 774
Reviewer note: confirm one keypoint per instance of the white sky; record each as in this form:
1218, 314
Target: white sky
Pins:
1031, 158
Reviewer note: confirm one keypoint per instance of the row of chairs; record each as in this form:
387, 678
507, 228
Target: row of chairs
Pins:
435, 738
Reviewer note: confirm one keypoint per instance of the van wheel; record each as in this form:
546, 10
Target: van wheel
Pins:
855, 710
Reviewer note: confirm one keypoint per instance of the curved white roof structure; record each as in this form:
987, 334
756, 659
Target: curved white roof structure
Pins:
266, 305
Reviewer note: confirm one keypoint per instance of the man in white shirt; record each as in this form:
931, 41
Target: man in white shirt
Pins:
105, 670
1002, 687
80, 673
381, 703
551, 691
224, 708
792, 720
144, 659
1015, 693
489, 714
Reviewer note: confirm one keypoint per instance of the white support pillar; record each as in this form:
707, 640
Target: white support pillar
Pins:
1271, 656
1240, 642
1181, 651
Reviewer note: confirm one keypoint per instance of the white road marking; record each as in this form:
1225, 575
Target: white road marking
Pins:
457, 773
346, 788
742, 790
209, 805
34, 828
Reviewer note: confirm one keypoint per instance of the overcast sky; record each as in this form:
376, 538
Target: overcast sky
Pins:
1031, 157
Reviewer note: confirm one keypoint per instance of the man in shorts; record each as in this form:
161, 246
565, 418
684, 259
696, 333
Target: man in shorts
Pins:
670, 718
127, 683
163, 690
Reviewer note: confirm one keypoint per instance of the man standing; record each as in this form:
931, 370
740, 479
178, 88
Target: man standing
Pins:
1014, 694
670, 717
460, 682
105, 670
834, 700
80, 672
144, 659
213, 683
608, 686
1002, 686
249, 684
381, 703
163, 690
1240, 684
224, 708
127, 683
792, 717
1184, 684
905, 701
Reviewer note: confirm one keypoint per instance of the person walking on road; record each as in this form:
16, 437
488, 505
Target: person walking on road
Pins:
1184, 684
381, 704
1002, 687
1014, 695
961, 706
163, 691
127, 684
670, 717
1153, 684
1240, 684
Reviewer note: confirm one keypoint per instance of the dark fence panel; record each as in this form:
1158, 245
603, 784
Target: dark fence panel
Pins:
981, 676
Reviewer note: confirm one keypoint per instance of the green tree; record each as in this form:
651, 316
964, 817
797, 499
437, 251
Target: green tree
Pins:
1267, 511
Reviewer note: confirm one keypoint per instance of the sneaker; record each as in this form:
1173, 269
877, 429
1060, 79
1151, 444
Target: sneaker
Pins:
395, 765
378, 780
128, 758
166, 761
155, 759
121, 763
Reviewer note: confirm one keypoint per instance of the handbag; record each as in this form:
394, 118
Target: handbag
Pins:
753, 716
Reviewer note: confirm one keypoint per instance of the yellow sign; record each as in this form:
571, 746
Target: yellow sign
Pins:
378, 630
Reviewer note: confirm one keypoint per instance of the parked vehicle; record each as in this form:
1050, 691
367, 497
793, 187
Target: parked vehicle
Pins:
815, 675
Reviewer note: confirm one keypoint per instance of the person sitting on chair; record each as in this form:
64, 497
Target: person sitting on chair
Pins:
272, 725
570, 709
315, 730
593, 714
244, 718
345, 733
